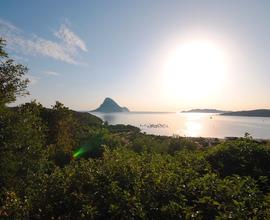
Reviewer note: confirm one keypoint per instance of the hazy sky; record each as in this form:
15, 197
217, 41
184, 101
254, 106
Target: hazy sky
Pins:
80, 52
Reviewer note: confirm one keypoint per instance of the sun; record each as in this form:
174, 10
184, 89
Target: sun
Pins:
194, 70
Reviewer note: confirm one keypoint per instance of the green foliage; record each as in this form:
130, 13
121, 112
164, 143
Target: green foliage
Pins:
22, 157
233, 197
12, 83
21, 143
128, 185
139, 142
180, 143
86, 119
2, 51
147, 143
61, 133
94, 144
119, 128
13, 206
244, 157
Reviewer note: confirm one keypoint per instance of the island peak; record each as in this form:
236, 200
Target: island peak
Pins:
109, 105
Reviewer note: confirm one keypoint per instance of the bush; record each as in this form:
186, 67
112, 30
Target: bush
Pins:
128, 185
243, 157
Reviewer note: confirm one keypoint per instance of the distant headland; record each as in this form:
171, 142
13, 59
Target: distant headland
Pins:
109, 105
207, 110
250, 113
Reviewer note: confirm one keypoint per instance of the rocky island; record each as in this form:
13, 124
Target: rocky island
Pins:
109, 105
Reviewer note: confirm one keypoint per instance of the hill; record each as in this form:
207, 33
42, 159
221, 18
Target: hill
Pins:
109, 105
250, 113
204, 111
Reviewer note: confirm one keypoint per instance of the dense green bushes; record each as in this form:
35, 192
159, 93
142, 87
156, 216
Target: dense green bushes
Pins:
244, 157
128, 185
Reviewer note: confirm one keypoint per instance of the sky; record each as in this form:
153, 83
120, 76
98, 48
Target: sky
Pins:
147, 55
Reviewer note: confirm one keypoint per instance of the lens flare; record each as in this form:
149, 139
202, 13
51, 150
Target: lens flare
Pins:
78, 153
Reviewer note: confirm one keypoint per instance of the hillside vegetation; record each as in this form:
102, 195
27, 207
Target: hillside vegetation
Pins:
60, 164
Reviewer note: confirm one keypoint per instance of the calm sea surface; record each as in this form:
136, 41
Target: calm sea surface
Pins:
192, 124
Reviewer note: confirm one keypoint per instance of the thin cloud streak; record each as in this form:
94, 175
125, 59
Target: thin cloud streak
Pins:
66, 49
7, 26
51, 73
70, 38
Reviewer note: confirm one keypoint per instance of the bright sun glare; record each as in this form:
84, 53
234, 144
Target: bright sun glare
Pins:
194, 70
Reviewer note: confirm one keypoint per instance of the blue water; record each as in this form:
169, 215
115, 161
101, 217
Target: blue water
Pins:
192, 124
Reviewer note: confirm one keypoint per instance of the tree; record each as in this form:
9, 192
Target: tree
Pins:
12, 81
60, 138
22, 150
2, 52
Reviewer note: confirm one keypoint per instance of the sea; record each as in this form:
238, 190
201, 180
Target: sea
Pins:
191, 124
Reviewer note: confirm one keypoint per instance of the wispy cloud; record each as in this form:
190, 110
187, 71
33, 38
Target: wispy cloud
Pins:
20, 58
51, 73
67, 48
7, 26
33, 80
70, 38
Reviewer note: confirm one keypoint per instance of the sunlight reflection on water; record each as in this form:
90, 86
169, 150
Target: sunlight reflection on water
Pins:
192, 128
193, 124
